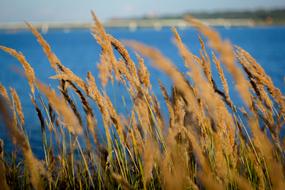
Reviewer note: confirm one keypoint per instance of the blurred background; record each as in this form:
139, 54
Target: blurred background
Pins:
256, 25
140, 13
76, 10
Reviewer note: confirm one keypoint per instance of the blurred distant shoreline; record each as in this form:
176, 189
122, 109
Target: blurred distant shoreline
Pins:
222, 18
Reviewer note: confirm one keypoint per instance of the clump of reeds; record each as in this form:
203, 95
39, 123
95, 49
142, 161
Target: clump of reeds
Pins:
208, 142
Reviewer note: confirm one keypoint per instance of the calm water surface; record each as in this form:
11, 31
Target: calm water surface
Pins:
78, 50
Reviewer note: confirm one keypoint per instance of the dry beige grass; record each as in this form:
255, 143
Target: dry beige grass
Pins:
29, 71
209, 141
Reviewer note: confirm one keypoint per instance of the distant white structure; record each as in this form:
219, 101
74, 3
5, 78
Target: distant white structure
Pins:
44, 28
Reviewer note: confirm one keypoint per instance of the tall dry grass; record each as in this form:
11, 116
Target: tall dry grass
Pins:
208, 142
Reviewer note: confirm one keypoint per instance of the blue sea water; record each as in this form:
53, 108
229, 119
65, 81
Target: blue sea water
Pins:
78, 50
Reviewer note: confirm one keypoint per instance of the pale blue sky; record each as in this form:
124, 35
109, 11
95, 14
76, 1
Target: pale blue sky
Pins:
79, 10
